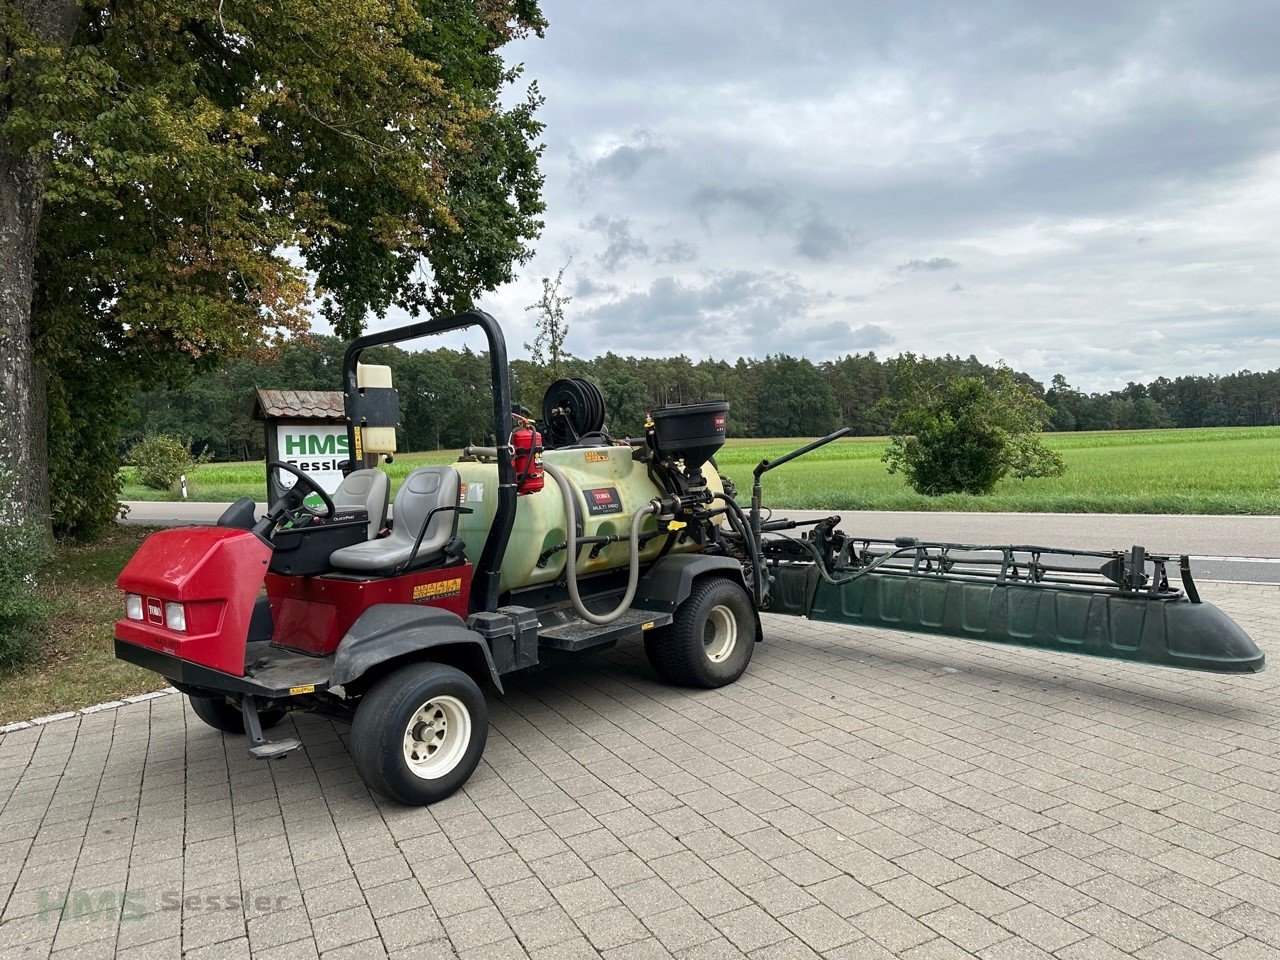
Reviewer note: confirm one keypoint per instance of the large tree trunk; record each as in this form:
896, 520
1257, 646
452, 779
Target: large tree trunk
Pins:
23, 401
23, 394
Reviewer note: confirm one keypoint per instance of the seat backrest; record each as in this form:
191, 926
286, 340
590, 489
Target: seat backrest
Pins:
368, 490
424, 490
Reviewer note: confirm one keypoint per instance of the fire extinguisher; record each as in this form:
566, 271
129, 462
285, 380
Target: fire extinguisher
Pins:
526, 442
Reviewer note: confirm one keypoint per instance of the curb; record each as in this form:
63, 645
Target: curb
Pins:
85, 711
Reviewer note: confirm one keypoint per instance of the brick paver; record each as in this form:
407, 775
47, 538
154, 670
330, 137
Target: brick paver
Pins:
856, 794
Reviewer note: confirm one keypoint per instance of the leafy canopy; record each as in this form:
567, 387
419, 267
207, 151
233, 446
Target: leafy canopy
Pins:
964, 434
213, 169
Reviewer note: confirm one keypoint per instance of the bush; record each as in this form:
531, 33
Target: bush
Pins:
24, 614
84, 453
162, 458
965, 434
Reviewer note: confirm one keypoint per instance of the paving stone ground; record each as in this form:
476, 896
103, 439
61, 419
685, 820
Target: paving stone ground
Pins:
856, 794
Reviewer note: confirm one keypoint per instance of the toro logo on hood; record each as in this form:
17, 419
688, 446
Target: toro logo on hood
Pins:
155, 611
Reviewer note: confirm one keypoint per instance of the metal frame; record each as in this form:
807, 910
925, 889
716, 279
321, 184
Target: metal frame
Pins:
484, 594
1018, 564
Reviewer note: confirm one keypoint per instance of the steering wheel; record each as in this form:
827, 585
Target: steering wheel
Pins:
291, 503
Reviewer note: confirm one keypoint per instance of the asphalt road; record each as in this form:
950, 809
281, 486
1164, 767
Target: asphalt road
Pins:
1230, 548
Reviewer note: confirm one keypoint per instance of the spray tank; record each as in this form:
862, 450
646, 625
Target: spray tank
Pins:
618, 492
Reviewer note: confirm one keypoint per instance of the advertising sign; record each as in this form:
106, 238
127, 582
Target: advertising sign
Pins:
315, 449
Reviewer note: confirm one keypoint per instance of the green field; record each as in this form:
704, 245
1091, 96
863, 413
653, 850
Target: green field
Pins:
1211, 470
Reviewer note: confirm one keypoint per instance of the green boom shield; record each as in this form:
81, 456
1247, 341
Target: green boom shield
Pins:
1172, 633
1117, 605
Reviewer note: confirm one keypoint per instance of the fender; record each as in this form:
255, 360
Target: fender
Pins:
389, 630
668, 583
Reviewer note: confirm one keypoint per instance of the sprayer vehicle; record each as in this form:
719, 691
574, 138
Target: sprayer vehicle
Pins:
560, 540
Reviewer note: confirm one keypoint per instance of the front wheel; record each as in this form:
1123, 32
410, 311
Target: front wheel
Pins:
712, 639
419, 733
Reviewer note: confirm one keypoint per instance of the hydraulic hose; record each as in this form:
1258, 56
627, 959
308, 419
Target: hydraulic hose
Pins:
744, 530
571, 553
821, 563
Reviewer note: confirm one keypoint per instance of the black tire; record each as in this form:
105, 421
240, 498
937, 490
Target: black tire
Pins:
689, 652
382, 734
221, 714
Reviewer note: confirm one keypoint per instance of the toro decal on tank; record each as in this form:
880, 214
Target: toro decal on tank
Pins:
603, 501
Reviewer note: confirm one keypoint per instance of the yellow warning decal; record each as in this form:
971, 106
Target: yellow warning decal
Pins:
297, 691
647, 626
597, 456
436, 591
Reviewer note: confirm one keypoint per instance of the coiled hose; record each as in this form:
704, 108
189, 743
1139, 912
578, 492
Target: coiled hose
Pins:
571, 560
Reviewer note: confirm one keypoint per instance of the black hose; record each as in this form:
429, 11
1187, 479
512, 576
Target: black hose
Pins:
856, 575
571, 409
740, 524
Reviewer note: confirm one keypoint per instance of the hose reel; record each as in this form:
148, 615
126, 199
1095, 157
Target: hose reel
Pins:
572, 409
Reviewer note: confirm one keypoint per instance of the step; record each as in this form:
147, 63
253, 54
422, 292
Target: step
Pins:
565, 630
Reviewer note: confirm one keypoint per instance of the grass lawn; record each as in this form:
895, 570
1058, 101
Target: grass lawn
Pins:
1210, 470
77, 666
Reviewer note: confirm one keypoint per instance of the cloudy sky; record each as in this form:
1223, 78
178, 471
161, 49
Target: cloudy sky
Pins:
1090, 188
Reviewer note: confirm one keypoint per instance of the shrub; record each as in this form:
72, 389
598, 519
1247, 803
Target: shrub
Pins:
24, 613
965, 434
162, 458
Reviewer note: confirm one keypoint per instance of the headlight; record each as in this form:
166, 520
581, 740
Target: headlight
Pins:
175, 617
133, 606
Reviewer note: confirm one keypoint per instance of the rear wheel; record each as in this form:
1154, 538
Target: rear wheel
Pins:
221, 714
711, 640
419, 733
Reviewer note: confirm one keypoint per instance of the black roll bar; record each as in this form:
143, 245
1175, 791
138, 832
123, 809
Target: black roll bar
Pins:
484, 593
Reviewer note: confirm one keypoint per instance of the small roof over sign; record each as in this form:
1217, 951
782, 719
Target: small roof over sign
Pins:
299, 405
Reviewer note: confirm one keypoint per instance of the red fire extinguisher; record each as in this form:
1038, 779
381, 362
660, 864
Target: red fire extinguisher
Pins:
526, 441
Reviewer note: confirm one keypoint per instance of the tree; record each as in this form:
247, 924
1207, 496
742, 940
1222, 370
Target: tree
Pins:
173, 175
793, 400
624, 403
964, 434
547, 351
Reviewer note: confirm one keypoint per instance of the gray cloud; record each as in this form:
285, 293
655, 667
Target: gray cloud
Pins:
822, 160
621, 245
933, 263
586, 287
819, 239
677, 251
869, 336
624, 162
737, 309
763, 202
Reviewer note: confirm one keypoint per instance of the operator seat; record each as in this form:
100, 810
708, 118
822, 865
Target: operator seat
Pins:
365, 490
424, 490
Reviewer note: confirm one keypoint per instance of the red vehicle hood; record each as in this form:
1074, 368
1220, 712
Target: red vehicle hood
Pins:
216, 573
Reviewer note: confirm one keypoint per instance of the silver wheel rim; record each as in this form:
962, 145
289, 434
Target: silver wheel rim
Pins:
720, 634
436, 737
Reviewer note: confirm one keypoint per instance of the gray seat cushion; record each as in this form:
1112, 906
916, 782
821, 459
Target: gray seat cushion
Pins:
423, 491
365, 490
